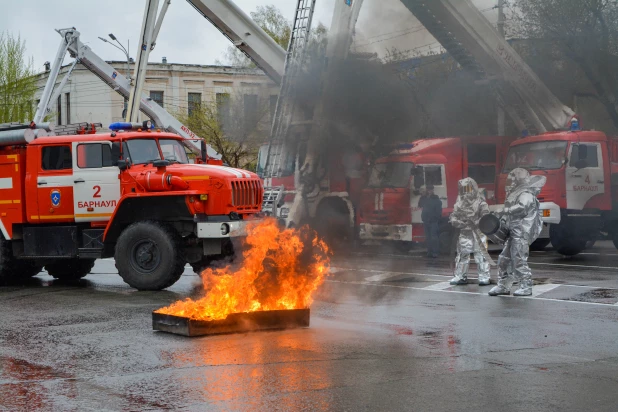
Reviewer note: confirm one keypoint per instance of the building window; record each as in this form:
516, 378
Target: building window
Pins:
157, 96
67, 98
250, 109
195, 100
57, 158
273, 106
59, 106
94, 155
223, 108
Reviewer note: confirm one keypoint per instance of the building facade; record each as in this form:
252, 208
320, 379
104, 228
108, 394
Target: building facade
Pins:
176, 87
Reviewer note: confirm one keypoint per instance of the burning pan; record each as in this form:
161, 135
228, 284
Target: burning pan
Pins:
234, 323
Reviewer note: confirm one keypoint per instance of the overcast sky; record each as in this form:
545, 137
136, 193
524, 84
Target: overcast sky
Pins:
186, 37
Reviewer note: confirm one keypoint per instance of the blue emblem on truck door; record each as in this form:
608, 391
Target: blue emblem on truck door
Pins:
55, 198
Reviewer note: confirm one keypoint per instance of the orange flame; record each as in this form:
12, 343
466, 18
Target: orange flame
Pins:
281, 270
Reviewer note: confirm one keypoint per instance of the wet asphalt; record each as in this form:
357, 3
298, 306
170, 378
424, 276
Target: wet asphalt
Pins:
387, 333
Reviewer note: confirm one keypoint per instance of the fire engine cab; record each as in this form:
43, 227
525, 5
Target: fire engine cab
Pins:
136, 196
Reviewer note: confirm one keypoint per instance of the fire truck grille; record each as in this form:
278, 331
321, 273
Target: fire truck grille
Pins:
247, 194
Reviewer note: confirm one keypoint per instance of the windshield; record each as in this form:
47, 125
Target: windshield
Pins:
390, 175
536, 156
173, 151
142, 151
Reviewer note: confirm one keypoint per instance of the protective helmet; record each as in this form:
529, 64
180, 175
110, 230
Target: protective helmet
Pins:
468, 189
517, 177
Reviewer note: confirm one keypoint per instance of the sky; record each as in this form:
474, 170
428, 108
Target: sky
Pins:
186, 37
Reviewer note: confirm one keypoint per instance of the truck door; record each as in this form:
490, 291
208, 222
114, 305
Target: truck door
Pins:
96, 181
584, 174
55, 185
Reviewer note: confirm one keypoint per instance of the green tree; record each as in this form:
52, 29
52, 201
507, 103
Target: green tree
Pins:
17, 80
582, 32
273, 22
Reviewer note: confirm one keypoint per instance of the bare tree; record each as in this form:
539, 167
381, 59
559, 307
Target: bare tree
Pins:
582, 31
273, 22
235, 126
17, 81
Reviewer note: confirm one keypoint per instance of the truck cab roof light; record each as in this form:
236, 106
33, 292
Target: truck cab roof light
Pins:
128, 126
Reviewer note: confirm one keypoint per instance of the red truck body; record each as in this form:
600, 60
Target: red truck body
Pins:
389, 207
580, 196
71, 198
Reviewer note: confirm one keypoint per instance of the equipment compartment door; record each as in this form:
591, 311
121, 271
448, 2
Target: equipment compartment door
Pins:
96, 182
587, 182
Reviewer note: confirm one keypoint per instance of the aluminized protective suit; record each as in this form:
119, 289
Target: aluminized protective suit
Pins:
522, 216
469, 209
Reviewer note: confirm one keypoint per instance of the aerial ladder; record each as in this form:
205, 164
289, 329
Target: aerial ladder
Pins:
478, 47
278, 149
245, 34
289, 121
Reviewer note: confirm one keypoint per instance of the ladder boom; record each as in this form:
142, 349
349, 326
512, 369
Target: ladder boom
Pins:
246, 35
472, 40
122, 85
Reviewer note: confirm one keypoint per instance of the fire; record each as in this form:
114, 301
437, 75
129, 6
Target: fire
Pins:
281, 268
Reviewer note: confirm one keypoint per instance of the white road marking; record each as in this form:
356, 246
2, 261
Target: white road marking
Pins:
382, 276
438, 286
574, 266
461, 292
382, 273
540, 289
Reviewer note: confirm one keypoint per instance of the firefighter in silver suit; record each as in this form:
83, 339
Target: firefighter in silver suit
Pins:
522, 216
469, 209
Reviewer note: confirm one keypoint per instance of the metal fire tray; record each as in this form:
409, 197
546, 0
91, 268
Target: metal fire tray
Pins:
234, 323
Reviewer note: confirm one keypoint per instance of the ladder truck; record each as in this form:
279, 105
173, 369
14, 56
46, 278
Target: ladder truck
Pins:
579, 199
132, 194
295, 191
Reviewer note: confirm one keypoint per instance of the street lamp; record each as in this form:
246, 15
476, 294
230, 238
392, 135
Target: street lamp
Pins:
126, 53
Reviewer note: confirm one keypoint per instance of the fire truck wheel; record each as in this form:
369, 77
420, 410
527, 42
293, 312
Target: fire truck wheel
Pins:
565, 241
149, 256
540, 244
73, 269
11, 268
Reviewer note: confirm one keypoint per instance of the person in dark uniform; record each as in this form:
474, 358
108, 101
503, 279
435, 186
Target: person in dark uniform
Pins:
431, 215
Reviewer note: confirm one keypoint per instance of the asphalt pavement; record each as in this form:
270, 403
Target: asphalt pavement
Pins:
387, 333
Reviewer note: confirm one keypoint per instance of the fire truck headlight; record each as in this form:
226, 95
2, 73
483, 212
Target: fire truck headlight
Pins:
285, 212
225, 229
203, 197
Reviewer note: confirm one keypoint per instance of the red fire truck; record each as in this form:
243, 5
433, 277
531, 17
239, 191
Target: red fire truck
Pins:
579, 198
135, 196
389, 205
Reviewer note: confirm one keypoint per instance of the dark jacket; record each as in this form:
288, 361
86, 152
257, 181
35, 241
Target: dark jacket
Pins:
432, 208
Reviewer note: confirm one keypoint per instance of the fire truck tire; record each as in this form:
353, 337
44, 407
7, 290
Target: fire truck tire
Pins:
540, 244
68, 270
149, 256
565, 241
12, 268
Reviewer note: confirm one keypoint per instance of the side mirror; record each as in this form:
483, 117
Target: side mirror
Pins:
203, 150
124, 164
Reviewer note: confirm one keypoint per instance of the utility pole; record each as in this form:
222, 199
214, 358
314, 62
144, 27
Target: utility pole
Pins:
501, 24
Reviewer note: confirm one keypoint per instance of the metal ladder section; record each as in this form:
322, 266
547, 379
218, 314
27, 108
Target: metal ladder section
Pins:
521, 114
284, 111
271, 200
